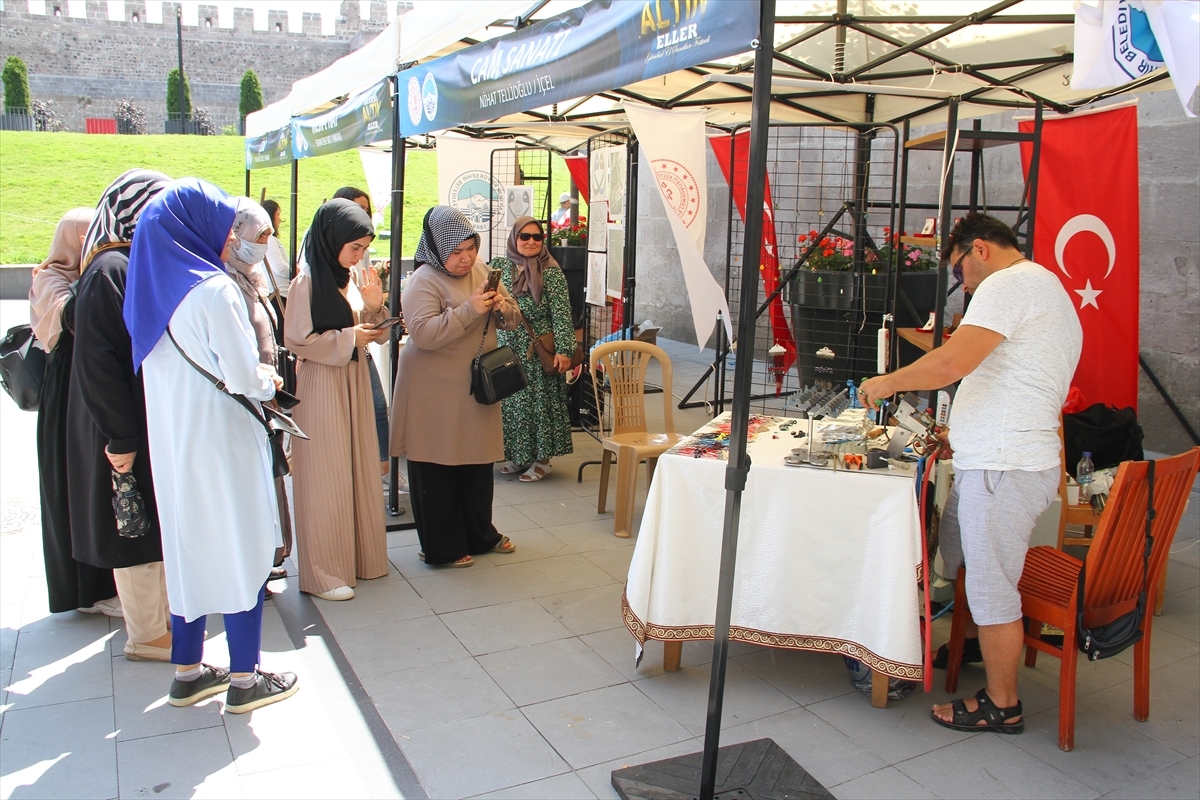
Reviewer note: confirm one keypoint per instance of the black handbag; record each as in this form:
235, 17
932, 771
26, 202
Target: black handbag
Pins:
22, 367
1111, 435
496, 374
285, 360
274, 423
1105, 641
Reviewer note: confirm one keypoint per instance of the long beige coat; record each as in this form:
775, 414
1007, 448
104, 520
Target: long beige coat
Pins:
435, 418
340, 531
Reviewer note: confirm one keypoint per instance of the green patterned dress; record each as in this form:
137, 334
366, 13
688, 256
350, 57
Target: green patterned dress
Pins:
537, 425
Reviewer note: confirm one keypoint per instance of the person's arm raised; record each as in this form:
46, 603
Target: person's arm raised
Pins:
954, 360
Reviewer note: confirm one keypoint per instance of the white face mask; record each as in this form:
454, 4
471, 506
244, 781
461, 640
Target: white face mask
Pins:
250, 252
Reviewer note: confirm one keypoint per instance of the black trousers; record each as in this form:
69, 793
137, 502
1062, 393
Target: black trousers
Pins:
71, 584
452, 507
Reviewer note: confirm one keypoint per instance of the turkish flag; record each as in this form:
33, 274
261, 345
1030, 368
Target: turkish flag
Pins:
578, 167
1086, 232
737, 163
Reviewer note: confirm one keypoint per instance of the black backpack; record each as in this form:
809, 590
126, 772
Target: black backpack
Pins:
1111, 435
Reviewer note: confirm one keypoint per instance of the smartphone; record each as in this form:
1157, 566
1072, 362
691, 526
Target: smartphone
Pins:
493, 280
383, 326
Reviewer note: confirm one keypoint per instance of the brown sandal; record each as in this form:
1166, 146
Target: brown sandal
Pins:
504, 546
465, 561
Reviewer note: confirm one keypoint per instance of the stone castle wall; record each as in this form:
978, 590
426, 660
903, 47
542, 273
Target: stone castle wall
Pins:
87, 64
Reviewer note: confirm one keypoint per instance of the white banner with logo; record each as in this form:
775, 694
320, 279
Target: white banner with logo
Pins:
675, 147
1122, 40
464, 182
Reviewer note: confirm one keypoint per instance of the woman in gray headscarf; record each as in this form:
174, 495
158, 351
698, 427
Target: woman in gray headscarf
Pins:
253, 227
449, 439
537, 426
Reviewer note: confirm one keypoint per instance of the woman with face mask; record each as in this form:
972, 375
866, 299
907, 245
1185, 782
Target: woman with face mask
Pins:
251, 229
335, 474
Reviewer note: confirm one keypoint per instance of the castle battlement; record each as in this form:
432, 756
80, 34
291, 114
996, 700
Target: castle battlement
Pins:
85, 60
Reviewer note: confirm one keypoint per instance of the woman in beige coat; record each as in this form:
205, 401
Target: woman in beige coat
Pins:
340, 531
449, 439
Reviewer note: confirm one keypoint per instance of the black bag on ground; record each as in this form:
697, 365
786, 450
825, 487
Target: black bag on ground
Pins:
1105, 641
1111, 435
22, 367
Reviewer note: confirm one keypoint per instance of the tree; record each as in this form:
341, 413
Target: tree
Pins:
252, 98
173, 107
16, 86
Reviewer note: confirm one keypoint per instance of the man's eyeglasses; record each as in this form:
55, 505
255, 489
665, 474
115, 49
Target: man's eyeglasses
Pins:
525, 237
957, 269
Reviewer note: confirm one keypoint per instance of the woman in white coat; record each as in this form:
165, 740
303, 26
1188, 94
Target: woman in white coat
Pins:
211, 459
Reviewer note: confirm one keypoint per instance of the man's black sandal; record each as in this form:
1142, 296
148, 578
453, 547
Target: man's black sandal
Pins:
995, 717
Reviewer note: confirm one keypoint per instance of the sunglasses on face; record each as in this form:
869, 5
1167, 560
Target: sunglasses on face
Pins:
957, 269
525, 237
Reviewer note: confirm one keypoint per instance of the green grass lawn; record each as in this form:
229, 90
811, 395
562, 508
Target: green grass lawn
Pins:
42, 175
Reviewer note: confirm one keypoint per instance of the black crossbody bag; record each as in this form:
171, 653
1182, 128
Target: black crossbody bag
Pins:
1105, 641
274, 423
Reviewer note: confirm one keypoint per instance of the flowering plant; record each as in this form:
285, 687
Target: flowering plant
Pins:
571, 235
833, 253
836, 253
912, 258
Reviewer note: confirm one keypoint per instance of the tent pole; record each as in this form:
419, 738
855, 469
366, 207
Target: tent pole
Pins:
247, 183
631, 193
947, 216
295, 221
1035, 162
739, 463
398, 163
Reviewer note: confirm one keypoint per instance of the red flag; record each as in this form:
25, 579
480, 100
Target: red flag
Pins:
578, 167
1086, 232
781, 334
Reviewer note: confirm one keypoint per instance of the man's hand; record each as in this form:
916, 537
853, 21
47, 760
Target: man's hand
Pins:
945, 451
874, 390
121, 462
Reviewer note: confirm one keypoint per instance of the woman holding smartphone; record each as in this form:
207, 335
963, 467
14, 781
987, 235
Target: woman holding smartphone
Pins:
450, 440
335, 474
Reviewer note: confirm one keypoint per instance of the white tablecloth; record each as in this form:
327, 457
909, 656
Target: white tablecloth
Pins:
827, 561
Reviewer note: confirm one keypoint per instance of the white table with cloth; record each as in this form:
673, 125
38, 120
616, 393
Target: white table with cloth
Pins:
827, 560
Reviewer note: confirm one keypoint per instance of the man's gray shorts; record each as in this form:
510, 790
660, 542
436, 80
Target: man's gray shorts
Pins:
987, 522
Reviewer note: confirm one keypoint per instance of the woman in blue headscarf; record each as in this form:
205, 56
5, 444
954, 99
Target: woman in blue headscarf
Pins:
212, 463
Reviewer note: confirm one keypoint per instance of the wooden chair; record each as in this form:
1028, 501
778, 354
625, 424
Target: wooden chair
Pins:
1073, 514
1050, 582
625, 364
1082, 514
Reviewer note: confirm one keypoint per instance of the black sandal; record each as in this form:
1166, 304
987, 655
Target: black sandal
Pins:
971, 654
996, 717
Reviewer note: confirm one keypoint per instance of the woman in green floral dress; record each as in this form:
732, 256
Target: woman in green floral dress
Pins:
537, 426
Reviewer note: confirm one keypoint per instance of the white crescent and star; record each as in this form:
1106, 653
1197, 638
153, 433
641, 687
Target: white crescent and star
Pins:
1079, 224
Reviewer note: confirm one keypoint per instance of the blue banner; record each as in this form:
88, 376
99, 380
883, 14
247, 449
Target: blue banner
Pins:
272, 149
364, 118
603, 45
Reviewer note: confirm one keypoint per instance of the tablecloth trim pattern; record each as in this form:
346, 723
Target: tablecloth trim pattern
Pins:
643, 631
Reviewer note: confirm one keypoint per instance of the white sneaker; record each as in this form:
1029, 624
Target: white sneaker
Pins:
340, 593
109, 608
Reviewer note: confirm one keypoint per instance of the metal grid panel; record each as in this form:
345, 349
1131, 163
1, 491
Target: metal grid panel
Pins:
519, 166
836, 182
600, 322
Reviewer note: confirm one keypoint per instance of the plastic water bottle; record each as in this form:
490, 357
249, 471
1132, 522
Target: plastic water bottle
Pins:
852, 393
1083, 476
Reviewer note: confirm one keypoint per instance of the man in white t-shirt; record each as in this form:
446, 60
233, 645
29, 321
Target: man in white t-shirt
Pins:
1015, 352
